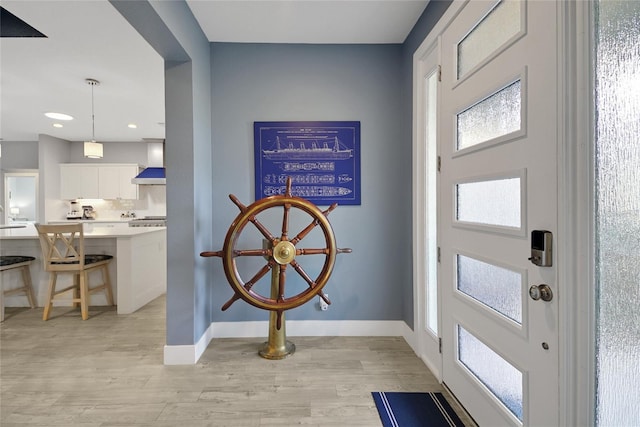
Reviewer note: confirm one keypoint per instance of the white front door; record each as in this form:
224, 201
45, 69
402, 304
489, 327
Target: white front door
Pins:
498, 183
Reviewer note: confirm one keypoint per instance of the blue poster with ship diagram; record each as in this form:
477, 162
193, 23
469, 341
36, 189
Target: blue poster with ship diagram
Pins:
322, 159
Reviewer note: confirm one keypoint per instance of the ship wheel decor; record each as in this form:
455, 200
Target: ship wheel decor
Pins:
280, 252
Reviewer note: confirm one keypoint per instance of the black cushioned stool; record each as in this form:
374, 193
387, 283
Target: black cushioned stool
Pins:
14, 262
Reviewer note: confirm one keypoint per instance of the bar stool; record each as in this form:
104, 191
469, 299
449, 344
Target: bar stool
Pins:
63, 252
14, 262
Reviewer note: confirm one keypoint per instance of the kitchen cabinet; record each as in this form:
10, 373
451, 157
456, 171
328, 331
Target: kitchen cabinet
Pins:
78, 182
106, 181
114, 182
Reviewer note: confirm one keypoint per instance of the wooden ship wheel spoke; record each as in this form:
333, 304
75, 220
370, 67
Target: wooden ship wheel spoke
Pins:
279, 253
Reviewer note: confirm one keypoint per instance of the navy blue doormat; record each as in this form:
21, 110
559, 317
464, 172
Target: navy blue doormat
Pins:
415, 410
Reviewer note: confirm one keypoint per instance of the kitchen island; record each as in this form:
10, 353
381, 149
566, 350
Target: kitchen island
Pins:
138, 271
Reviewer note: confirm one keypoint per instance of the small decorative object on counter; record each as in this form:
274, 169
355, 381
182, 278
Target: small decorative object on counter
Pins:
74, 211
88, 212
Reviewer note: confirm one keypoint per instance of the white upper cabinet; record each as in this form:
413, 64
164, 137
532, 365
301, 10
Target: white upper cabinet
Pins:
106, 181
114, 182
127, 173
78, 182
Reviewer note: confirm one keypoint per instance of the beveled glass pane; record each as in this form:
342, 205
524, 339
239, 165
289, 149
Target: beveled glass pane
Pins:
497, 27
498, 375
617, 173
496, 202
498, 288
495, 116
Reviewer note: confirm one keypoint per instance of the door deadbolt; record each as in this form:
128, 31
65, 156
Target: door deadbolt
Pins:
542, 292
541, 248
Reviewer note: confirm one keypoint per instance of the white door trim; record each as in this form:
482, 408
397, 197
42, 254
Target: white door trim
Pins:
576, 215
424, 164
420, 57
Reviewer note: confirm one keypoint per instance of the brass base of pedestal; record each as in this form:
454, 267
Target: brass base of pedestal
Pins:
271, 352
277, 347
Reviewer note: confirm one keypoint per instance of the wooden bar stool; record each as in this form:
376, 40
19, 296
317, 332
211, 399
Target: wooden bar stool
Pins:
63, 253
13, 262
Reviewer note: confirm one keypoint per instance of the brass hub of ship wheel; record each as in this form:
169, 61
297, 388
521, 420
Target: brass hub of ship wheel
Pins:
284, 252
281, 252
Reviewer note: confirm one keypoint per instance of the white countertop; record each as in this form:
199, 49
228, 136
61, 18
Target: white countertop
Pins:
92, 230
95, 221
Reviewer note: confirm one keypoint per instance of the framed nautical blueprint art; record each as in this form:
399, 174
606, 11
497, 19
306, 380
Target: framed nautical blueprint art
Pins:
322, 159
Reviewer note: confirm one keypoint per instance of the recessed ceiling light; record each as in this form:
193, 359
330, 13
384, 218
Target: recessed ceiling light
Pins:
57, 125
132, 126
58, 116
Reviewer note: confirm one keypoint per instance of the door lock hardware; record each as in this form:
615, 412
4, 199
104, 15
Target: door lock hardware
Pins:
542, 292
541, 248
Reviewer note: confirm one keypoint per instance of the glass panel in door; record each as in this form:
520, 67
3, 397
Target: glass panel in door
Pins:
494, 202
500, 377
502, 23
493, 117
431, 212
425, 273
496, 287
618, 213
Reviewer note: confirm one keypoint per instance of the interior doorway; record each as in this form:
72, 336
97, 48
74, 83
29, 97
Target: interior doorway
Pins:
21, 197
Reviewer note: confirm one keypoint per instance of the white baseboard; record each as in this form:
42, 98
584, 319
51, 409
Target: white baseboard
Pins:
412, 339
190, 354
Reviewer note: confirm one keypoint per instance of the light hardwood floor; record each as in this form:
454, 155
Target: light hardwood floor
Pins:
108, 371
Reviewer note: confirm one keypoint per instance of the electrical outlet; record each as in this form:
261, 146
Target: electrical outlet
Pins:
323, 305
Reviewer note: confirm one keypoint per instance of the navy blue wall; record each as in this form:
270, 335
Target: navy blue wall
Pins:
279, 82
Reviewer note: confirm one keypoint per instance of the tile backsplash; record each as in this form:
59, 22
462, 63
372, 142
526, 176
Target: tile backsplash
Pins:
152, 202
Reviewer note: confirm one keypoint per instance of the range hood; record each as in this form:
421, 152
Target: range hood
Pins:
154, 173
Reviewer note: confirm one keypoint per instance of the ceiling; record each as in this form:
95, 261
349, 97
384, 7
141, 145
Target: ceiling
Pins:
320, 21
90, 39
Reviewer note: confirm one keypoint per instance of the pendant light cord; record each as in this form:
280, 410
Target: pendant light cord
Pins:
92, 83
93, 118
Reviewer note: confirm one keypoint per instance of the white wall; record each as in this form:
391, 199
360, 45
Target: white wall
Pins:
51, 152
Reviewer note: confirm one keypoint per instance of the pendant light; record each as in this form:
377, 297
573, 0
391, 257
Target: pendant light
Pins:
92, 149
